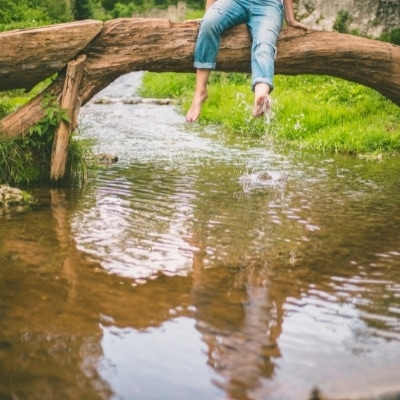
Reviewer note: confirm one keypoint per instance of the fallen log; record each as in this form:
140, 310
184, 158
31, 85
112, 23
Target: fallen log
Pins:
29, 56
159, 45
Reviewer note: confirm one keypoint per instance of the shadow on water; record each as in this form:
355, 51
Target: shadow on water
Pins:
169, 277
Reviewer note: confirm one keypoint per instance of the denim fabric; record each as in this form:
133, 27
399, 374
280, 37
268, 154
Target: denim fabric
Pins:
264, 19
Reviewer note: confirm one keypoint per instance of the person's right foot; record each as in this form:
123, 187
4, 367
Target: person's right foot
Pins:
195, 109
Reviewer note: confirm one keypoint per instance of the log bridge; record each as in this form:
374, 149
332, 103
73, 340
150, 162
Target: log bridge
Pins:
86, 56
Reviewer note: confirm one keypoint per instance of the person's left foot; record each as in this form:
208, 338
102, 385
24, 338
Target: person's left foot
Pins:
194, 111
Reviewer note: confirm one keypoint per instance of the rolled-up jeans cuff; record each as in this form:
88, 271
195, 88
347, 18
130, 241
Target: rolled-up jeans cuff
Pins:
204, 65
262, 80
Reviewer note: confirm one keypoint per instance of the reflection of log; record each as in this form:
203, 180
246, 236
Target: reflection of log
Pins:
69, 102
135, 44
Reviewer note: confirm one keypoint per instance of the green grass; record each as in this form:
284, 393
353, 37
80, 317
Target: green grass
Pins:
316, 113
27, 160
329, 114
194, 14
319, 113
10, 100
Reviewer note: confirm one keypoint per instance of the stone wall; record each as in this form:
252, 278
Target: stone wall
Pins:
367, 17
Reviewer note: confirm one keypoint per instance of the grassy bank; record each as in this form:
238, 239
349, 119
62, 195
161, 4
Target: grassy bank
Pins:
317, 113
313, 112
25, 160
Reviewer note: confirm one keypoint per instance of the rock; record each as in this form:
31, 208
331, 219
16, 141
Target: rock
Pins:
106, 159
261, 180
14, 200
367, 17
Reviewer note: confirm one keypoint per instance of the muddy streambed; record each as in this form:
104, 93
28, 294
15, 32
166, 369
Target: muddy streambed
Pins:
202, 267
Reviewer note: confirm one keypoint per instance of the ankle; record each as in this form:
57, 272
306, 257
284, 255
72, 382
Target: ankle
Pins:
261, 89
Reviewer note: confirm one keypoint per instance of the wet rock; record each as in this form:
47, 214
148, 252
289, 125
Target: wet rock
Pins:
106, 159
14, 200
262, 179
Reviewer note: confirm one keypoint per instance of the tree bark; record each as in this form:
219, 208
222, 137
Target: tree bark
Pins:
159, 45
71, 104
29, 56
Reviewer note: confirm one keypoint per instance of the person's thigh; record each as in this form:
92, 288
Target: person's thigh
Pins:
224, 14
265, 20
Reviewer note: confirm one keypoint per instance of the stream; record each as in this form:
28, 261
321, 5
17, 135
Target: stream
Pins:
201, 266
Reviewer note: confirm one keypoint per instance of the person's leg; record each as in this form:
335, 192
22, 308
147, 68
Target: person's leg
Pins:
222, 15
200, 94
265, 23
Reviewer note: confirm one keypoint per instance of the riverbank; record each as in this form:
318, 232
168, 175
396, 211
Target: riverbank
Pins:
317, 113
310, 113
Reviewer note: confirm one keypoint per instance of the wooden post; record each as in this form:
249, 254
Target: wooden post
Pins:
71, 103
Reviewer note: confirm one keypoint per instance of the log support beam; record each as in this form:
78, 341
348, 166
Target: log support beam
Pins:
71, 103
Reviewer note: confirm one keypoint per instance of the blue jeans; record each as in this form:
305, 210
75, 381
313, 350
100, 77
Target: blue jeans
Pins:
264, 19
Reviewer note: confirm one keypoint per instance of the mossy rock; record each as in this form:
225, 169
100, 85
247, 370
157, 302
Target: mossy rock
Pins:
14, 200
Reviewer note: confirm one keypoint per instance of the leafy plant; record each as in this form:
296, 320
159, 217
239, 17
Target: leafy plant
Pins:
121, 10
54, 114
82, 9
27, 159
394, 36
342, 21
22, 14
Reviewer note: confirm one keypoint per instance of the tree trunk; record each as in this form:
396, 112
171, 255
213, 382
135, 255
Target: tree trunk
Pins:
138, 44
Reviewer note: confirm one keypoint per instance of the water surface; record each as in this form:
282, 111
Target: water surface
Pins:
173, 275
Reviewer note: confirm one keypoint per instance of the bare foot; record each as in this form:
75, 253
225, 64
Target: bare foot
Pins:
262, 106
262, 101
194, 111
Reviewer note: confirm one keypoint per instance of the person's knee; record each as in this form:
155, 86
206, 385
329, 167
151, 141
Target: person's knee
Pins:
267, 34
264, 51
210, 28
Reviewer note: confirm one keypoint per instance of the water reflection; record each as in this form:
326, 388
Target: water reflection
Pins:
282, 277
240, 324
166, 278
49, 344
270, 319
